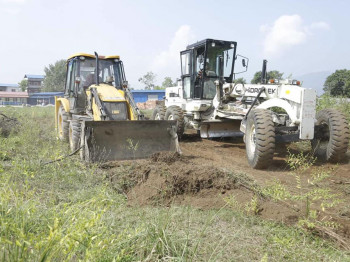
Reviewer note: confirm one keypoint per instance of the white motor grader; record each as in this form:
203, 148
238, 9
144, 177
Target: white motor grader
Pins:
209, 100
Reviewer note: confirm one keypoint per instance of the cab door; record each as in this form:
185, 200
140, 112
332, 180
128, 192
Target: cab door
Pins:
186, 73
73, 92
69, 87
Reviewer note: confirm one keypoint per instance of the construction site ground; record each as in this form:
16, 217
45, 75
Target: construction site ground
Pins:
206, 204
211, 173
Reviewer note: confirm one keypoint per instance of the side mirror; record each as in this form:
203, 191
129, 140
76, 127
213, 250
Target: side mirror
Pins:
125, 84
244, 68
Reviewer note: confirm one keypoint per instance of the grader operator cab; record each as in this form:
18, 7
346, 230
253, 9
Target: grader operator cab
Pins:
99, 117
209, 100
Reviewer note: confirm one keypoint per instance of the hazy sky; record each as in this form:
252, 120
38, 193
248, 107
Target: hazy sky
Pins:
296, 37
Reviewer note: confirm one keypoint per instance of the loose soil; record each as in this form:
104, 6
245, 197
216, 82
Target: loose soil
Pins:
209, 172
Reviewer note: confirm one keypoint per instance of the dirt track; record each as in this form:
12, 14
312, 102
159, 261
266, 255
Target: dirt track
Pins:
210, 171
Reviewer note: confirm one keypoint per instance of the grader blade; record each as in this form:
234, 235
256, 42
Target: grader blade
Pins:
220, 128
122, 140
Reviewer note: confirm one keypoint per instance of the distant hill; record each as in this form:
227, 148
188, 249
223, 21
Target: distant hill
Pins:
314, 80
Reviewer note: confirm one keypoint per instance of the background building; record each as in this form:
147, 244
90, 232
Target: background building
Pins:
13, 98
35, 83
9, 88
44, 98
141, 96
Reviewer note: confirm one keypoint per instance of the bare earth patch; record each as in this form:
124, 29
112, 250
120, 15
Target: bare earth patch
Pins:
211, 171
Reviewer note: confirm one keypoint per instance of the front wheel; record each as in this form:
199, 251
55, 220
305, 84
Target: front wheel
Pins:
84, 149
332, 137
260, 138
74, 135
159, 113
176, 113
62, 124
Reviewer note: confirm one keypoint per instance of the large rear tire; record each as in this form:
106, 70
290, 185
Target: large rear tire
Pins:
332, 140
176, 113
260, 138
62, 124
74, 135
159, 113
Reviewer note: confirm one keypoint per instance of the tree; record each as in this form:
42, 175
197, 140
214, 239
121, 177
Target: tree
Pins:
240, 80
148, 80
270, 75
338, 83
168, 82
23, 84
55, 75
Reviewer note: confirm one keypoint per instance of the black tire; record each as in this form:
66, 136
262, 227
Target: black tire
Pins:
176, 113
74, 135
332, 140
84, 152
260, 138
159, 113
62, 124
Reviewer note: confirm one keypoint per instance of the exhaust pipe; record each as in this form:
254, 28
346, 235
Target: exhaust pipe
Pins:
97, 69
263, 72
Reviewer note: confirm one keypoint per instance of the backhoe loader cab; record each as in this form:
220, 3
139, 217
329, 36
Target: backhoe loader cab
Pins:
99, 117
205, 62
82, 74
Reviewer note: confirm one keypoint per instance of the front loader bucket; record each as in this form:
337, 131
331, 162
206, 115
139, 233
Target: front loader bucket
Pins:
121, 140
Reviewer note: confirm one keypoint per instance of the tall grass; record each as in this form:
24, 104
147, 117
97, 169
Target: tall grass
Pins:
340, 103
67, 211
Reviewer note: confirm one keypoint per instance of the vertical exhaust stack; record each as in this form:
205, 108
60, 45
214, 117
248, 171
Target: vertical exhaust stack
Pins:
263, 72
97, 69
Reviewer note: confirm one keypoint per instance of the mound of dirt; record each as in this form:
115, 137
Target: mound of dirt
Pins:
166, 157
170, 178
214, 174
7, 125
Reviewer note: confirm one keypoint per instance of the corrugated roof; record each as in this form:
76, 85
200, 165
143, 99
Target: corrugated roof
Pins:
48, 94
10, 85
148, 91
13, 94
34, 76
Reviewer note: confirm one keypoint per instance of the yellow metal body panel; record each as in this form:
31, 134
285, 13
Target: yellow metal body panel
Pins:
108, 93
93, 56
112, 57
58, 102
80, 54
96, 111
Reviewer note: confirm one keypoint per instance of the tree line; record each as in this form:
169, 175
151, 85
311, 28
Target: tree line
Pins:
336, 84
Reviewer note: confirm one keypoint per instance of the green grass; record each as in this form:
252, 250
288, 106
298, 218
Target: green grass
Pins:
68, 211
340, 103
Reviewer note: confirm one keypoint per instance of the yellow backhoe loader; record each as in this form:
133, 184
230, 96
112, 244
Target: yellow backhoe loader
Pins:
99, 117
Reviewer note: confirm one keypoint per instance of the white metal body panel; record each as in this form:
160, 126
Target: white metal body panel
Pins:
298, 102
307, 114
